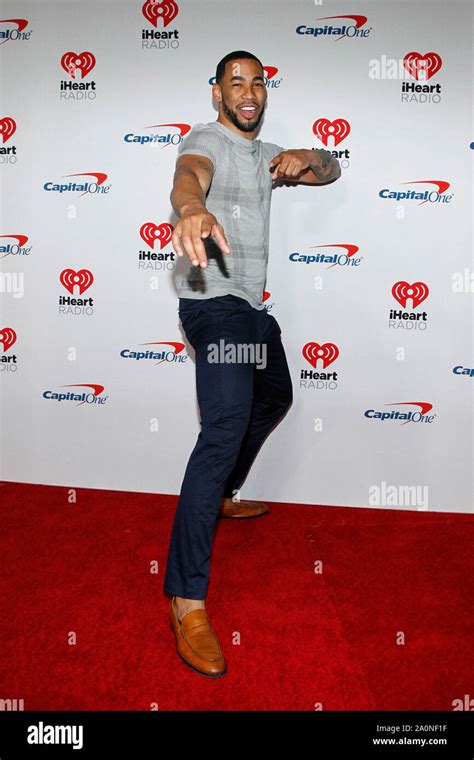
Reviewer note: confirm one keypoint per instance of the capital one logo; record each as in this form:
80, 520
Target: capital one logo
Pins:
337, 129
438, 195
327, 353
89, 188
405, 416
422, 67
151, 232
7, 128
72, 62
345, 259
270, 82
89, 398
167, 10
82, 279
7, 337
92, 397
16, 249
14, 34
270, 71
345, 30
402, 291
173, 355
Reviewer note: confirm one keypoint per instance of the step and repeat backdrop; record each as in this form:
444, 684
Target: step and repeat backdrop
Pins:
371, 278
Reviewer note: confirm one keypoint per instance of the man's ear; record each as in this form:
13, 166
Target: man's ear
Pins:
216, 92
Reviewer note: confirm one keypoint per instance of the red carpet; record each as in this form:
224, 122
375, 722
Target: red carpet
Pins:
83, 569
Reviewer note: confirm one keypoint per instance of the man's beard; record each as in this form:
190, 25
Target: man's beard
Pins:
245, 126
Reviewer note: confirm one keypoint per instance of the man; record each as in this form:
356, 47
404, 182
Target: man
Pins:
221, 194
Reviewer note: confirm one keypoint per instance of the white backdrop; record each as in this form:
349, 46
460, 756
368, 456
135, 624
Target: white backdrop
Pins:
135, 98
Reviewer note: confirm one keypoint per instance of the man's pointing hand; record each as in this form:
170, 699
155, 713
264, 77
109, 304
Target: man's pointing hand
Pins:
193, 226
289, 164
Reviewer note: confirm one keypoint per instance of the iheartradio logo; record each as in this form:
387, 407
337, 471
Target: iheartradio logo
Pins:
337, 129
8, 362
7, 128
7, 337
422, 67
74, 88
80, 280
154, 11
83, 62
404, 293
326, 354
167, 10
152, 233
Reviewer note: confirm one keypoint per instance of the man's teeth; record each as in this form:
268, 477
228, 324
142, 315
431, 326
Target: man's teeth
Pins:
248, 108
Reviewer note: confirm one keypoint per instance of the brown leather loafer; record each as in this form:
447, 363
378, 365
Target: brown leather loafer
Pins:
243, 508
196, 642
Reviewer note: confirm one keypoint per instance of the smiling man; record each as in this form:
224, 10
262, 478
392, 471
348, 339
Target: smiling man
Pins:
221, 193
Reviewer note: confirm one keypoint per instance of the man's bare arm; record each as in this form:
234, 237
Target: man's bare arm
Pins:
305, 166
324, 166
191, 182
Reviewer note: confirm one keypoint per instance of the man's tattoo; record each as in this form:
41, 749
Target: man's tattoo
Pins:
325, 158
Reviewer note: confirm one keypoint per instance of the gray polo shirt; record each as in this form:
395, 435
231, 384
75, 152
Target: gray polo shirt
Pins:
239, 197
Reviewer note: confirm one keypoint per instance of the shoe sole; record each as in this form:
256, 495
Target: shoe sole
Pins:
196, 670
241, 517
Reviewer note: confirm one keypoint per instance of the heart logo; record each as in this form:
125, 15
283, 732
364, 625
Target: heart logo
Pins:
71, 62
402, 291
7, 337
150, 232
153, 10
327, 352
7, 128
422, 66
83, 279
338, 129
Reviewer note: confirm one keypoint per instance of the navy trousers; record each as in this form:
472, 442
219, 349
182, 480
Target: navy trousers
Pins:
240, 402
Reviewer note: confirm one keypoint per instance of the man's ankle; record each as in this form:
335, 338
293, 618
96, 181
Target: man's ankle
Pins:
183, 605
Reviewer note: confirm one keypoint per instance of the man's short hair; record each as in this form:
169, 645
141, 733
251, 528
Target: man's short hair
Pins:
220, 70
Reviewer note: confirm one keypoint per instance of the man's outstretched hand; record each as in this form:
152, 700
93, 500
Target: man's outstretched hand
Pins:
290, 164
193, 226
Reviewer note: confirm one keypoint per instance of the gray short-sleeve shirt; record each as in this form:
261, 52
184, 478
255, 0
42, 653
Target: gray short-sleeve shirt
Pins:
240, 198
